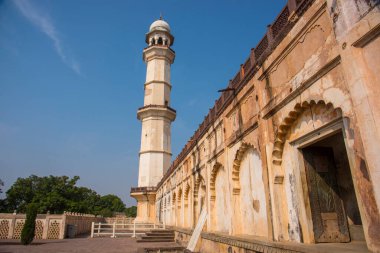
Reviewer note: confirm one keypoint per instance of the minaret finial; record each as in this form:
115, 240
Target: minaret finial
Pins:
160, 15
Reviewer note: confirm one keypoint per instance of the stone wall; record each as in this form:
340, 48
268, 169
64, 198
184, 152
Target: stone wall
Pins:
82, 222
312, 77
119, 220
48, 226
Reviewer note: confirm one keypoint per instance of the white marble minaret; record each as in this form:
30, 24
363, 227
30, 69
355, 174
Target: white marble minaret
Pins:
156, 115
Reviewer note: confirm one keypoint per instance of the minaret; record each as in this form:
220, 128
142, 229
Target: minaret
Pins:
156, 117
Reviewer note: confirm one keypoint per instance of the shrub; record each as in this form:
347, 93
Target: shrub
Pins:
27, 234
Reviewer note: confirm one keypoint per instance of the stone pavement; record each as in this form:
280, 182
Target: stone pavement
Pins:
129, 245
80, 245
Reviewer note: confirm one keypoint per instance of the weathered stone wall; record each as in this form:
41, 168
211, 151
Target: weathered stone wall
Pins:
316, 77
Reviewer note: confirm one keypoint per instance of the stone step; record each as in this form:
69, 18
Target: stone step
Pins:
157, 237
156, 240
158, 234
161, 231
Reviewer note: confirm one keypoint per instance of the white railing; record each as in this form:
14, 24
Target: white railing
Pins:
116, 229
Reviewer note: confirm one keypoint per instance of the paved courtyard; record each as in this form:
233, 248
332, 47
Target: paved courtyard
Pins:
80, 245
129, 245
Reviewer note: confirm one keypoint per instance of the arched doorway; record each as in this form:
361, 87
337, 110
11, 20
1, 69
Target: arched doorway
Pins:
332, 198
317, 189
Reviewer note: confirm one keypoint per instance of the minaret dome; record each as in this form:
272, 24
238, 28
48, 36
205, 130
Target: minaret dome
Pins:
159, 34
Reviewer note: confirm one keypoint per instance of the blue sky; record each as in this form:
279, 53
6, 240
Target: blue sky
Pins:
72, 75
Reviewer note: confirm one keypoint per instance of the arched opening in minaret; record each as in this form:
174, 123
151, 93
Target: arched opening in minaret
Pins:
160, 41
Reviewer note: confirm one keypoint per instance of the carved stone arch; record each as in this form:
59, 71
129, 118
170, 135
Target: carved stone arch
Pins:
179, 198
287, 122
173, 198
187, 190
197, 182
214, 172
236, 166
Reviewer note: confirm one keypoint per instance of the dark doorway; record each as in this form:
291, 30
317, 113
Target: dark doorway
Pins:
332, 196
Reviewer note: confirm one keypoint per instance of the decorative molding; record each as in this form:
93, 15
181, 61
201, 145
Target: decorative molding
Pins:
213, 175
236, 166
326, 130
155, 151
368, 37
158, 81
283, 128
156, 111
158, 52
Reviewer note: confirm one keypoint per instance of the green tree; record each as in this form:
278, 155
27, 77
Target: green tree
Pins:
131, 211
109, 204
1, 186
3, 204
57, 194
113, 202
27, 233
52, 193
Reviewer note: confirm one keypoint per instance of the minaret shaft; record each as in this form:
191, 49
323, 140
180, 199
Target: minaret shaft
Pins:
156, 116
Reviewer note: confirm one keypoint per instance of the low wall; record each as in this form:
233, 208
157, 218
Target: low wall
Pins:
119, 220
48, 226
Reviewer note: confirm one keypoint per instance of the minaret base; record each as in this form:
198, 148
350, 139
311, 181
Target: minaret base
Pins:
146, 204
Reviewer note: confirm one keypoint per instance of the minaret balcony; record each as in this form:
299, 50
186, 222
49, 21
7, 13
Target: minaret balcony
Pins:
158, 52
156, 111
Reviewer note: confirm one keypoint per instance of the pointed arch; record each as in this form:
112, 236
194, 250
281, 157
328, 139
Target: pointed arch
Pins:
173, 198
187, 190
287, 122
179, 199
236, 166
214, 172
197, 182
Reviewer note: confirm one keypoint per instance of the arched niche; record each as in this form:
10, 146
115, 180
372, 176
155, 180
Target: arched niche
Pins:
250, 193
290, 197
236, 167
287, 122
219, 199
213, 174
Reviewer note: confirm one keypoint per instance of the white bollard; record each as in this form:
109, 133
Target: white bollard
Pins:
92, 229
134, 229
113, 230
